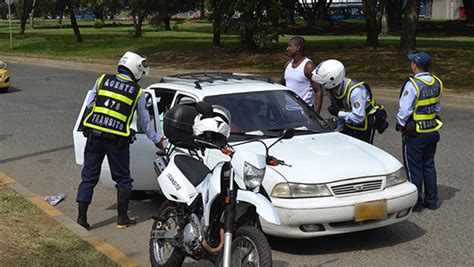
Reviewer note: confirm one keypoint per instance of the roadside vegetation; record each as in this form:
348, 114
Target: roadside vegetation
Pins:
28, 237
189, 46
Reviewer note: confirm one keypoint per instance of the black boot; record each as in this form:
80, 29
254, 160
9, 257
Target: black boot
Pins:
82, 217
123, 195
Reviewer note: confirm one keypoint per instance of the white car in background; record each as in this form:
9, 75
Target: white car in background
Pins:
336, 183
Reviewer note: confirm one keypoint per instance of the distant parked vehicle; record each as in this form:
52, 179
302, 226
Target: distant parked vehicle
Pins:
4, 76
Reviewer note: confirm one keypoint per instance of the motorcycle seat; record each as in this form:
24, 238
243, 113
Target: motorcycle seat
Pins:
191, 168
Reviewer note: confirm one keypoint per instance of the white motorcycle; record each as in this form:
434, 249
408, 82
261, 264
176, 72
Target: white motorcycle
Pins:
210, 214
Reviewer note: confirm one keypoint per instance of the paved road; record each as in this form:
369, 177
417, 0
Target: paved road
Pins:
36, 120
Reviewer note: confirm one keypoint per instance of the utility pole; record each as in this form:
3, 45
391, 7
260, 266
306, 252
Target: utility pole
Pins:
9, 2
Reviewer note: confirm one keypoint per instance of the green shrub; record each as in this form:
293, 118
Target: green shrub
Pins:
98, 24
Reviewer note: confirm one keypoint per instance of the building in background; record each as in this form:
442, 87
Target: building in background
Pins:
447, 9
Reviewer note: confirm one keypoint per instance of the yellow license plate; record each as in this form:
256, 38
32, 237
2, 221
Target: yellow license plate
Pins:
374, 210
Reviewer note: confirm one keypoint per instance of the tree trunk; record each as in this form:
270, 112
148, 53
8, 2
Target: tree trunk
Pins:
408, 35
469, 10
394, 15
74, 25
32, 15
138, 21
384, 29
23, 16
166, 21
216, 32
370, 14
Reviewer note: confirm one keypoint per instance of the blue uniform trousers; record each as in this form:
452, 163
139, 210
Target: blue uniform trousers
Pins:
418, 157
367, 135
119, 161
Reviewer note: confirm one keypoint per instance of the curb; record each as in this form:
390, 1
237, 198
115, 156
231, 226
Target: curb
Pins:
105, 248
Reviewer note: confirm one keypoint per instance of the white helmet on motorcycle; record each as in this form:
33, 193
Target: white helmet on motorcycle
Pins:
136, 64
218, 124
329, 73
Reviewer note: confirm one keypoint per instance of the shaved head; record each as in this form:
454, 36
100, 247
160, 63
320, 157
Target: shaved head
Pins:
299, 41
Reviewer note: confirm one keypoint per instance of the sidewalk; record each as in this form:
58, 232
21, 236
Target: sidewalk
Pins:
450, 97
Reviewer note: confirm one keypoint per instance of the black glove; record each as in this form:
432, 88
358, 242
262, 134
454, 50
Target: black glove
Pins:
398, 127
333, 110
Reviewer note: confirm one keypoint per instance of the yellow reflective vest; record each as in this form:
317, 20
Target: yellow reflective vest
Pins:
114, 105
428, 95
343, 102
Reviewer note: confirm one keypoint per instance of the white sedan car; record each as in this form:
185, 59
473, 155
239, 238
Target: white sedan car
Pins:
336, 184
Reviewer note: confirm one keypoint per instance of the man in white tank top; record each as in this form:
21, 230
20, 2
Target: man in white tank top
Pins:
297, 74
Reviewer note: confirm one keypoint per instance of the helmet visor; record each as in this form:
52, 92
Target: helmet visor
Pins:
145, 66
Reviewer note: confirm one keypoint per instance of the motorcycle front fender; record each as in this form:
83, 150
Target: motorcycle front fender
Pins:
264, 207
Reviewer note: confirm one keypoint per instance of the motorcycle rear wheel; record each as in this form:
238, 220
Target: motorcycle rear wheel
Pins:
162, 253
250, 247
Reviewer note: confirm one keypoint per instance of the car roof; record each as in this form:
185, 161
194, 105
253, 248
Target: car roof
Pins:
217, 83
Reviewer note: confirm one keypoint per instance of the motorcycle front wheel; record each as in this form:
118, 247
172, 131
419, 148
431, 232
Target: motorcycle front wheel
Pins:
162, 253
250, 247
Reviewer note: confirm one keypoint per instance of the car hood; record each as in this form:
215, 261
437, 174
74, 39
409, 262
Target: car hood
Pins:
329, 157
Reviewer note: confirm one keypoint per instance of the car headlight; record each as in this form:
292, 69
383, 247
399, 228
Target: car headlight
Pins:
291, 190
253, 176
395, 178
3, 66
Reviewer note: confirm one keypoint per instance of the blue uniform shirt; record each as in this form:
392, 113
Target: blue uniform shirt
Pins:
142, 114
408, 99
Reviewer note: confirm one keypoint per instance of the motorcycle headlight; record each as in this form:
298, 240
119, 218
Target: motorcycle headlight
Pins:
395, 178
291, 190
252, 176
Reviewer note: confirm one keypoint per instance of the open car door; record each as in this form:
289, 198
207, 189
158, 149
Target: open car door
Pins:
142, 151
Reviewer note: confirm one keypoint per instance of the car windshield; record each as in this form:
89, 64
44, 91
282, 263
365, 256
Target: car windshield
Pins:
265, 114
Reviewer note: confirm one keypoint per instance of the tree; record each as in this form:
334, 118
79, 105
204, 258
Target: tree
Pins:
313, 10
373, 13
98, 7
165, 9
221, 14
289, 10
469, 10
410, 19
260, 22
393, 11
25, 8
72, 16
139, 9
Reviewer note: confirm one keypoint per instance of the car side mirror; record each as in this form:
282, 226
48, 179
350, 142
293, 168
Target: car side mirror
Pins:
288, 134
204, 108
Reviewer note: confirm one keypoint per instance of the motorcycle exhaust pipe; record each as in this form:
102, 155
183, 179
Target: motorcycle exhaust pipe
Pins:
210, 249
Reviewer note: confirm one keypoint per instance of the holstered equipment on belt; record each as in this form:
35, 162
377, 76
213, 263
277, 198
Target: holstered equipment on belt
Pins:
91, 134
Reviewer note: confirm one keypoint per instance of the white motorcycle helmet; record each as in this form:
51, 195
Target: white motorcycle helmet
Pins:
329, 73
136, 64
217, 125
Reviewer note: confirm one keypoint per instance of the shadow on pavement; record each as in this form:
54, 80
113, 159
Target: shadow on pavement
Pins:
446, 192
366, 240
10, 90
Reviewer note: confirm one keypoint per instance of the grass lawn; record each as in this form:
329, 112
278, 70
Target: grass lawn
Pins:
28, 237
188, 46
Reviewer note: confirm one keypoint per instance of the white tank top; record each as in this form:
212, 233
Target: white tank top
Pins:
298, 82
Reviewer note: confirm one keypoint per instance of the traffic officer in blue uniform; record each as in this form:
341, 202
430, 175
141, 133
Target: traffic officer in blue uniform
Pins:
418, 121
107, 128
351, 101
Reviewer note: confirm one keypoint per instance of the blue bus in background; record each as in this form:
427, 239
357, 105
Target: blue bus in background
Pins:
340, 11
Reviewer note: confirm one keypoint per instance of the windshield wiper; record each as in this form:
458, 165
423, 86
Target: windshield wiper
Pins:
256, 133
301, 129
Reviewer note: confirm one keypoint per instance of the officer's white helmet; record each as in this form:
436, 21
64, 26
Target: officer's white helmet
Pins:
218, 123
329, 73
136, 64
